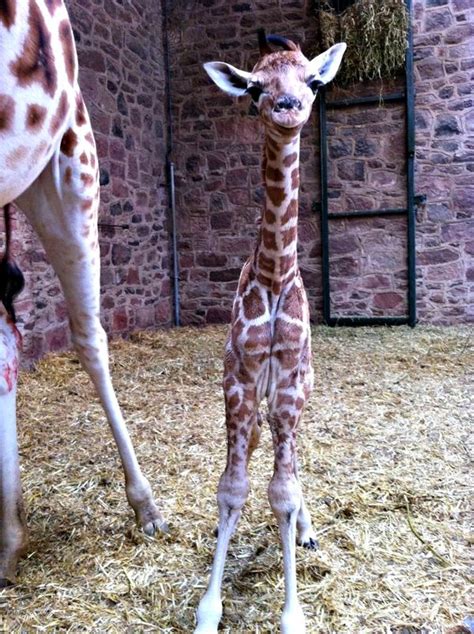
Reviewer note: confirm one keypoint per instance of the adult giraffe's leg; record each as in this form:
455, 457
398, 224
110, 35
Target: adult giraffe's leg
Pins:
286, 500
13, 532
62, 207
232, 493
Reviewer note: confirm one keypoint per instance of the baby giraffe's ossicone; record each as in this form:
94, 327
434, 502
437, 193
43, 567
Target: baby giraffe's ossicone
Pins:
268, 350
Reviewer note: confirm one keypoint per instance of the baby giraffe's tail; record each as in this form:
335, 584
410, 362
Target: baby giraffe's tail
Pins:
11, 278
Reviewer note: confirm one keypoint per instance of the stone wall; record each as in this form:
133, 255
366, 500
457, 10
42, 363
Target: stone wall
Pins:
122, 77
218, 148
219, 190
217, 152
444, 51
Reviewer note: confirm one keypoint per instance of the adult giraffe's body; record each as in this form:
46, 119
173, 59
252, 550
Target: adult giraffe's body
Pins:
268, 351
48, 167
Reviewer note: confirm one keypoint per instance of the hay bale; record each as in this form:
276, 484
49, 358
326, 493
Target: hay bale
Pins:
376, 37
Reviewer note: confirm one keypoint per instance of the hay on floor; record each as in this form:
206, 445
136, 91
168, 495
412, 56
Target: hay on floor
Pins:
385, 456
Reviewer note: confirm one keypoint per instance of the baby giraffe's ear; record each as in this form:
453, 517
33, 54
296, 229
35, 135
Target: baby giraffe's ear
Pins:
325, 66
227, 77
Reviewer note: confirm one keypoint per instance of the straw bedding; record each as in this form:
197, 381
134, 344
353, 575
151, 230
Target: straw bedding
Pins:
385, 457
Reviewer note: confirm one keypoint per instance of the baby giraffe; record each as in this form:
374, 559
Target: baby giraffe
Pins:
268, 351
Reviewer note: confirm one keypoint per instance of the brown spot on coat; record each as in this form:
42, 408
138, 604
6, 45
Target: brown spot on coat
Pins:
276, 195
269, 239
271, 154
289, 236
87, 179
270, 217
286, 263
253, 305
83, 159
293, 303
273, 145
89, 138
233, 401
266, 264
67, 41
286, 333
7, 112
291, 211
60, 114
288, 358
274, 174
39, 152
36, 61
53, 5
16, 156
35, 116
290, 159
295, 178
264, 280
81, 118
284, 399
87, 204
68, 175
7, 12
69, 142
258, 336
229, 382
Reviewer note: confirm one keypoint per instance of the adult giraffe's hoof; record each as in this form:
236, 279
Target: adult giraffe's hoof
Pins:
6, 583
150, 519
156, 526
147, 513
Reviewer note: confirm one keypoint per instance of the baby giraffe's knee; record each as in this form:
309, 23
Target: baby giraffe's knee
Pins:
284, 494
232, 491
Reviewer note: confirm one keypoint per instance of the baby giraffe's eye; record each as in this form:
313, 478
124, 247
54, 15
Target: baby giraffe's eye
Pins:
255, 91
314, 84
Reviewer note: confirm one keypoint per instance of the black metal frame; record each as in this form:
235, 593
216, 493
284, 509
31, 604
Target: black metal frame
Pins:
407, 97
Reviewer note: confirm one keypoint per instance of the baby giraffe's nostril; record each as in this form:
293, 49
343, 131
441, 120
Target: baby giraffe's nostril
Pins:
287, 102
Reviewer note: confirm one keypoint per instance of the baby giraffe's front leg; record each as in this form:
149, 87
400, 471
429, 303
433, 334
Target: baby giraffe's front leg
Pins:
231, 496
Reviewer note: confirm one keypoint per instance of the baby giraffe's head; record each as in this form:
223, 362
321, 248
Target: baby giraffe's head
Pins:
283, 84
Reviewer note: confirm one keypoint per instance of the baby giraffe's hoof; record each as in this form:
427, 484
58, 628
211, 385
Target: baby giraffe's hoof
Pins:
311, 544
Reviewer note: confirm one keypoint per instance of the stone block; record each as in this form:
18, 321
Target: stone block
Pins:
388, 300
437, 256
350, 170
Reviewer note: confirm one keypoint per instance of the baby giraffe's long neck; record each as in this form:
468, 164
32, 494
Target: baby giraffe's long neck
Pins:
276, 255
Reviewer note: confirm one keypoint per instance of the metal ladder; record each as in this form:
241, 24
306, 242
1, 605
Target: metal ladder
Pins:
408, 98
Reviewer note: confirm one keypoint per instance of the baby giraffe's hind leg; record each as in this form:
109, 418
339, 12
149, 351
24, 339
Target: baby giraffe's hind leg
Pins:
305, 535
286, 500
63, 211
255, 433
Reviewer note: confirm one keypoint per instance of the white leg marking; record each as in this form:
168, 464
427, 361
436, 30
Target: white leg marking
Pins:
232, 493
13, 533
285, 499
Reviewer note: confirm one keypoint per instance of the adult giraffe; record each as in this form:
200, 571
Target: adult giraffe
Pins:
48, 167
268, 351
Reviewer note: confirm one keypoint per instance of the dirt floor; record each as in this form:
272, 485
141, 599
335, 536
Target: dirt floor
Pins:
385, 456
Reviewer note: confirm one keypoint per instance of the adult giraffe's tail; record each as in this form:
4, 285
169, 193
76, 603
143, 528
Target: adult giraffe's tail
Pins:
11, 278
